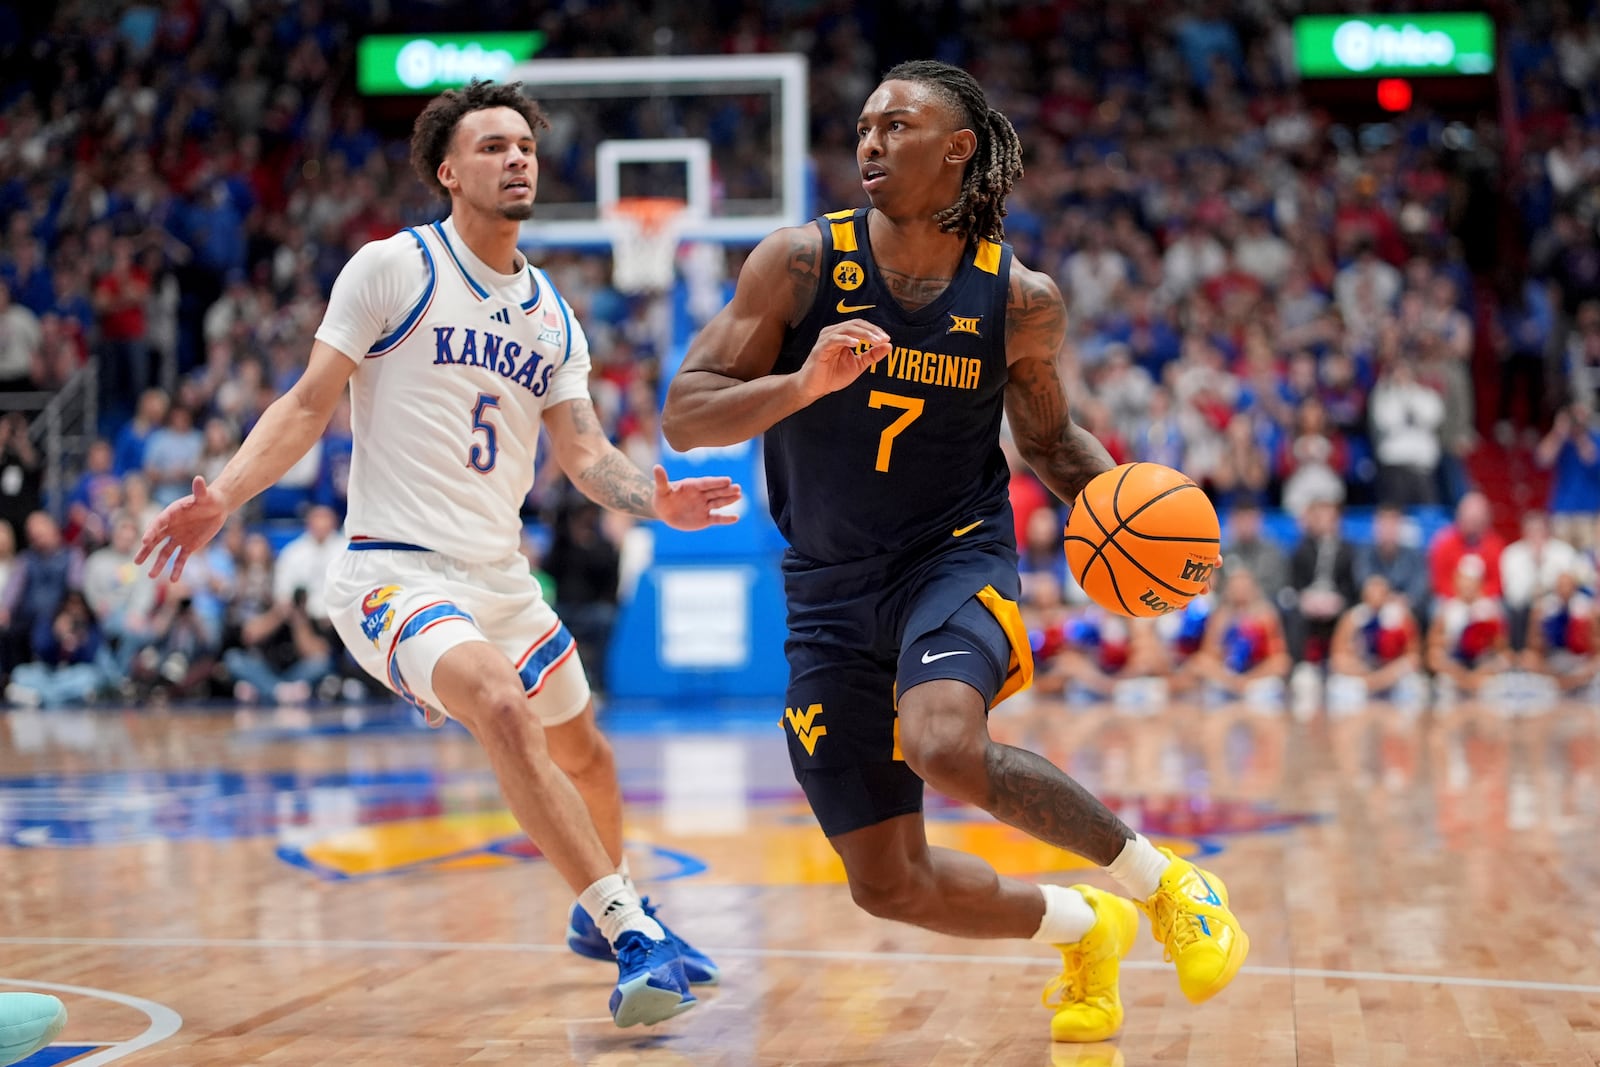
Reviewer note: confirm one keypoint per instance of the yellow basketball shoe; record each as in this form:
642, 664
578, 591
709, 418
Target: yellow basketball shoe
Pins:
1088, 1006
1189, 915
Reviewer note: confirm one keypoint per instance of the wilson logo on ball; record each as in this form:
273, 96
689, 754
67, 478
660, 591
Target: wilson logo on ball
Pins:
1158, 606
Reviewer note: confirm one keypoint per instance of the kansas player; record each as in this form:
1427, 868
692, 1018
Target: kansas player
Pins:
877, 350
456, 351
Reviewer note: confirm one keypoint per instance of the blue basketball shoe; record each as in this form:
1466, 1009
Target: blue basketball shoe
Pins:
651, 985
584, 938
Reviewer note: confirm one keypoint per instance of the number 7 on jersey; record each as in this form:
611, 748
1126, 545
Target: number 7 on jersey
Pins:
911, 410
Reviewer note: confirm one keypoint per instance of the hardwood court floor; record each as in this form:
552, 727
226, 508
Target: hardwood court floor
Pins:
288, 890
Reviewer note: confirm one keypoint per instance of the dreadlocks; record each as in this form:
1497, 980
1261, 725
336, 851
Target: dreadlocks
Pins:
994, 167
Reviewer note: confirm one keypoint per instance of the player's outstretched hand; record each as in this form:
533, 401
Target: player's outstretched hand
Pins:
842, 352
182, 529
690, 503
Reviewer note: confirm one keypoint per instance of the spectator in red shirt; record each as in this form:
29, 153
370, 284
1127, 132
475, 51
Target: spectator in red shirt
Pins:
1233, 290
1361, 220
1028, 494
1470, 535
120, 296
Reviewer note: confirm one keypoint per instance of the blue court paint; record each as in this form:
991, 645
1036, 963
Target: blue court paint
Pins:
164, 1022
51, 1055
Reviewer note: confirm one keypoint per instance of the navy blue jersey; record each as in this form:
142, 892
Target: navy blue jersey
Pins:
909, 453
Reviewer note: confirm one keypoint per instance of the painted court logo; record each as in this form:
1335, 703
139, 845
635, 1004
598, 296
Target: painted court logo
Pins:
377, 612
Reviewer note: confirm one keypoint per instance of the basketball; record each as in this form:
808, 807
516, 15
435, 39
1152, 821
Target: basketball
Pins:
1142, 540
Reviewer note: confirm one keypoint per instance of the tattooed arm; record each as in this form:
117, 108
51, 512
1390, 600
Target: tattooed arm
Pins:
1064, 455
606, 476
725, 392
596, 467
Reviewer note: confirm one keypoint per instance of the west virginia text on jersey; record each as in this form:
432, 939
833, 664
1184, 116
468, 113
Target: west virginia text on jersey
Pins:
910, 450
930, 368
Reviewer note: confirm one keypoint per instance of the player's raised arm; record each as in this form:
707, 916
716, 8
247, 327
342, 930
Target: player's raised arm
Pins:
285, 432
1064, 455
725, 391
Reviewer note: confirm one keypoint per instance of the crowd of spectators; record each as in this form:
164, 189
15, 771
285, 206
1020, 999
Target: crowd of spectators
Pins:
1333, 616
1298, 312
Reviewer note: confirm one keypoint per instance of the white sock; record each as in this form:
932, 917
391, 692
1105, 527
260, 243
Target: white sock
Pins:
627, 876
1067, 916
615, 907
1138, 868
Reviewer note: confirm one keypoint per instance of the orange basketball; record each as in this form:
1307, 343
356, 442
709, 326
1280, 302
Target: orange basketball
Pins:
1143, 540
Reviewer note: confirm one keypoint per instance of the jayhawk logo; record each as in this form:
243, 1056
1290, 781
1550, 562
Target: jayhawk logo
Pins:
377, 613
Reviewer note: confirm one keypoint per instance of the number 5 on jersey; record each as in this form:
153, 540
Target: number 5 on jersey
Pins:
911, 410
482, 456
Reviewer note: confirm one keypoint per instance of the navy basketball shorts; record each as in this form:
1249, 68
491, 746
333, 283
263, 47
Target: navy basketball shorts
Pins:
861, 634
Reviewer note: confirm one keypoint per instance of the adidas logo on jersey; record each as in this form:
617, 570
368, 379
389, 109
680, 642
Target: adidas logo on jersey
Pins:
503, 315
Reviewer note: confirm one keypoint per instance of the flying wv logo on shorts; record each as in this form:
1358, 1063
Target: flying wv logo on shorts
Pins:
377, 612
806, 729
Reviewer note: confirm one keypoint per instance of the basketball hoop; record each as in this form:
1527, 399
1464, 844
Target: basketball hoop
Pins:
644, 241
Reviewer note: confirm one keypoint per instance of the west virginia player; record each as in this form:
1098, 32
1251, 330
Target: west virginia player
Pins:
456, 351
877, 349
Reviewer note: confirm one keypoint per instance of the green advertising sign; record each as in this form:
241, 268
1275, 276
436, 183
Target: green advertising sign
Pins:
1336, 46
397, 63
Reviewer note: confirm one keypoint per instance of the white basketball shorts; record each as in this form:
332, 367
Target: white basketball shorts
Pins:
398, 610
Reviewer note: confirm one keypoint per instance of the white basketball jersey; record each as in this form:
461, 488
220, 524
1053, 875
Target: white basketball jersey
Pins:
457, 363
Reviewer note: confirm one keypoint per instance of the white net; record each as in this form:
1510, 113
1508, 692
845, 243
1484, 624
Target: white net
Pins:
644, 242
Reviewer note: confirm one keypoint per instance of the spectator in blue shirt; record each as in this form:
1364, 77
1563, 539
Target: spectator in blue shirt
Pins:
97, 488
131, 439
68, 665
1159, 438
69, 300
39, 582
1392, 557
29, 277
172, 456
1572, 448
1203, 38
333, 473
